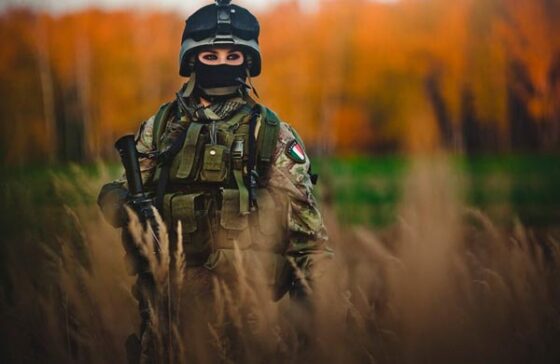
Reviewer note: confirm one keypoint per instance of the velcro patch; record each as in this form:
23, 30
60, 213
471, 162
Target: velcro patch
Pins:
295, 152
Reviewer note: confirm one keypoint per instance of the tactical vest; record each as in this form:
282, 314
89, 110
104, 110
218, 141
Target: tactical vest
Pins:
208, 189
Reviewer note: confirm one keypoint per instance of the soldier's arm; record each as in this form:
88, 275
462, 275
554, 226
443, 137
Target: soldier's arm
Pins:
307, 237
146, 150
112, 196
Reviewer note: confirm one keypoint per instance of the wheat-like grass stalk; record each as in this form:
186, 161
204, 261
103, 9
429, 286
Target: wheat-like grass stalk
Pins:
495, 288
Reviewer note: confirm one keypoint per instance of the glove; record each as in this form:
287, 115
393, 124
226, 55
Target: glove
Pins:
111, 201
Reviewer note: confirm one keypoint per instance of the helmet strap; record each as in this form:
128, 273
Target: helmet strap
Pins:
253, 88
189, 87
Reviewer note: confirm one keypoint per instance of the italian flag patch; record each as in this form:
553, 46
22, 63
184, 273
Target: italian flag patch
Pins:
295, 152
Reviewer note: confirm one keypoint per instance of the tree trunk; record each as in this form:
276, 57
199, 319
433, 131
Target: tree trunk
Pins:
47, 92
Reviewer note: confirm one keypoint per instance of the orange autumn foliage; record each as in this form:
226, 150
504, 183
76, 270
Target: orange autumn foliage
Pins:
355, 76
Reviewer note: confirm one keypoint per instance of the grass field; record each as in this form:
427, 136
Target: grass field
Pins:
367, 190
364, 190
413, 280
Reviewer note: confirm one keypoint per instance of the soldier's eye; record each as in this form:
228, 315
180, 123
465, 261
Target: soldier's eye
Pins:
233, 57
210, 57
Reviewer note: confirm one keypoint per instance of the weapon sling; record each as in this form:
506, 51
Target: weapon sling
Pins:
252, 175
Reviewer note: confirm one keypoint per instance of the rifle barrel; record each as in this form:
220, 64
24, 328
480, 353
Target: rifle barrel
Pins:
129, 157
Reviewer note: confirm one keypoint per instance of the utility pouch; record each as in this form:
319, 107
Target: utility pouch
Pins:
231, 218
187, 209
191, 211
215, 163
234, 225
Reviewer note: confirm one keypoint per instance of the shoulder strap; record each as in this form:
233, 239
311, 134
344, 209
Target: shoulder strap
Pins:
162, 172
266, 140
160, 122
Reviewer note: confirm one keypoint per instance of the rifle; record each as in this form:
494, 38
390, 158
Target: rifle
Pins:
138, 199
143, 204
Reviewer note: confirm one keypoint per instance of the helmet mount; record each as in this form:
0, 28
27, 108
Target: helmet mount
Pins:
221, 23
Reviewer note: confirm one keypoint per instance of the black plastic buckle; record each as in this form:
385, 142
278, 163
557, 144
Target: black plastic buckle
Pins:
237, 149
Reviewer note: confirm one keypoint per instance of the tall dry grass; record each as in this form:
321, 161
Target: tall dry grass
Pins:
444, 285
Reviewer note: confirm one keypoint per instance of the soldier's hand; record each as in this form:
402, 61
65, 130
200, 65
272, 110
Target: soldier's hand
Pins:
112, 198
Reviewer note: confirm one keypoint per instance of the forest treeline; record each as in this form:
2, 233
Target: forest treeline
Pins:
354, 77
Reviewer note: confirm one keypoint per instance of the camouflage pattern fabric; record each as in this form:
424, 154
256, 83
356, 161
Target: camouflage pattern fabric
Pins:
307, 234
306, 230
215, 112
305, 237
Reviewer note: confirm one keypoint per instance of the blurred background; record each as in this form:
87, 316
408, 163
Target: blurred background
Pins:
470, 88
354, 76
357, 78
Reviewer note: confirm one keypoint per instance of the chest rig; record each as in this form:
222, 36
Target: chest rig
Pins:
212, 178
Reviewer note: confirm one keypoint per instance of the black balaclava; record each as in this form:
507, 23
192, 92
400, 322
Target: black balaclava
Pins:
223, 75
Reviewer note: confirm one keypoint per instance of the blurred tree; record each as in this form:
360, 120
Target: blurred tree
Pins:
353, 76
47, 88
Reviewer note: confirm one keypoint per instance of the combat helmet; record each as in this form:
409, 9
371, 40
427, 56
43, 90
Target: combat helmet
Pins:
221, 23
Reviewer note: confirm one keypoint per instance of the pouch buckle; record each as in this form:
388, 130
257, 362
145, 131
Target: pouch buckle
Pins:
237, 149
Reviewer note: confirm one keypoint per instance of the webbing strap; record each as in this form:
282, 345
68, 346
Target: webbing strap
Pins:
252, 173
162, 172
226, 129
267, 139
238, 153
238, 117
243, 192
163, 178
189, 150
160, 122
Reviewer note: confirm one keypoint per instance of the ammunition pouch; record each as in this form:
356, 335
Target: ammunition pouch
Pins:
215, 163
251, 244
211, 237
219, 159
191, 210
234, 227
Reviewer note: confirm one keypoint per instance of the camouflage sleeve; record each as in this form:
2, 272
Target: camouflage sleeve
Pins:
144, 145
289, 176
113, 195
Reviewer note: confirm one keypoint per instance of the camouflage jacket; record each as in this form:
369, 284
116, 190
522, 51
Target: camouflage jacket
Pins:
288, 176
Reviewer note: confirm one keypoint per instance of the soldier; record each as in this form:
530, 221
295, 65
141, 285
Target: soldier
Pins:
236, 176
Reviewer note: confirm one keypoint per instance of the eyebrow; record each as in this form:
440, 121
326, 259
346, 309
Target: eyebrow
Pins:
214, 51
